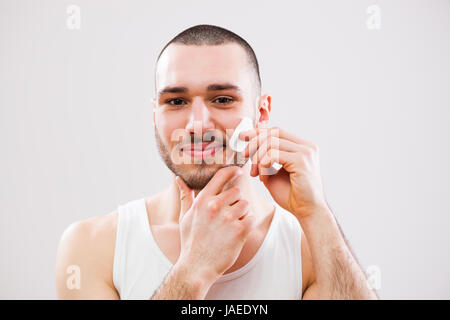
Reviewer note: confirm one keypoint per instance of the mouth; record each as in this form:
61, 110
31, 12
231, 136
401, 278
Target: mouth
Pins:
202, 149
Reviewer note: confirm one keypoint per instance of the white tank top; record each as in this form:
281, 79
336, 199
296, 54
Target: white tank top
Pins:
274, 272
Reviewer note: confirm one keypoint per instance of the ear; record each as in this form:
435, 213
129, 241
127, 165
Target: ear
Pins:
264, 107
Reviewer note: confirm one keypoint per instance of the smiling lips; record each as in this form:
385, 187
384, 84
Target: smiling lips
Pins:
204, 149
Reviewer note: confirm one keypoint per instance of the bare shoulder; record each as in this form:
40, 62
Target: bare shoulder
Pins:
308, 274
96, 234
87, 246
96, 227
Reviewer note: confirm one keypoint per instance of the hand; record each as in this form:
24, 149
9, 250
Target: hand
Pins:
214, 225
297, 186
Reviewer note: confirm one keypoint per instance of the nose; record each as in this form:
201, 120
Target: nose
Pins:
199, 120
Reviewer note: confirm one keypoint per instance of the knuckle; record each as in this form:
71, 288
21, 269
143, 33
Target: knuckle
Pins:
227, 217
229, 171
213, 206
275, 131
239, 230
244, 203
308, 151
273, 141
242, 229
264, 147
236, 191
233, 168
303, 161
243, 206
222, 172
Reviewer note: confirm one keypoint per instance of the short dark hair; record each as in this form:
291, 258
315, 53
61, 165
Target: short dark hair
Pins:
205, 34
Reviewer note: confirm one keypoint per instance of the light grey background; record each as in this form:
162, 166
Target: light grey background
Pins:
76, 131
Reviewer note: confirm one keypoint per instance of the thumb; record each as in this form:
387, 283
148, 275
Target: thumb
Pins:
186, 196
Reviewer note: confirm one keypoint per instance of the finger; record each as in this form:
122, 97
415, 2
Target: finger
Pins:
254, 170
250, 134
186, 196
265, 139
247, 221
264, 159
278, 132
229, 197
282, 157
254, 143
222, 176
239, 209
274, 143
257, 157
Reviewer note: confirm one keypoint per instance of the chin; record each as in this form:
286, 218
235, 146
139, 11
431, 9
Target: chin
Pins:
197, 176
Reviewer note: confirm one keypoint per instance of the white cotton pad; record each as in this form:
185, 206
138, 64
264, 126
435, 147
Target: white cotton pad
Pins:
276, 166
239, 145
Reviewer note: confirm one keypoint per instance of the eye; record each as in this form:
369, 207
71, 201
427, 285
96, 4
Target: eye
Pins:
176, 102
223, 100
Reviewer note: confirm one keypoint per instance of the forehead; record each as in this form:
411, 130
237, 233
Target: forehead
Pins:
198, 66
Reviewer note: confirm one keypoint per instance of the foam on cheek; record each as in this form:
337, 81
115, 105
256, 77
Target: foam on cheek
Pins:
239, 145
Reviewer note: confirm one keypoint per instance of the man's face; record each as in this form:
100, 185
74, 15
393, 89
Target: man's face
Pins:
202, 94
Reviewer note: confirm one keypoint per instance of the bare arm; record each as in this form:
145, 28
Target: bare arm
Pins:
84, 261
338, 274
182, 284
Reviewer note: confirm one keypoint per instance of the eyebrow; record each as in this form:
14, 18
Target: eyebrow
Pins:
222, 86
211, 87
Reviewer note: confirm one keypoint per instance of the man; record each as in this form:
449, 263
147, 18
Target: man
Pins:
210, 235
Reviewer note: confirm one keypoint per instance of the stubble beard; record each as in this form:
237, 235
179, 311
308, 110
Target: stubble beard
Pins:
196, 176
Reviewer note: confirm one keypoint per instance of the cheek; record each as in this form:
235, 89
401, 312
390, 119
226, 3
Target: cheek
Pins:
169, 128
230, 120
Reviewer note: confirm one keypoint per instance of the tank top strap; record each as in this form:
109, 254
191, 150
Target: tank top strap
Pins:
131, 236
